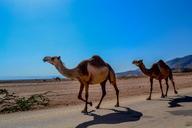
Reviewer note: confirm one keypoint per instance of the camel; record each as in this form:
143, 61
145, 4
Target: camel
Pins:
158, 71
91, 71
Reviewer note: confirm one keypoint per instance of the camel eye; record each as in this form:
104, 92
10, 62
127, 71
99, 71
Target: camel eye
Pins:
52, 59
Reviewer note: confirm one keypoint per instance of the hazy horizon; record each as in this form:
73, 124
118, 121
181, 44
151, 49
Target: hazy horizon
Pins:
51, 76
118, 31
29, 77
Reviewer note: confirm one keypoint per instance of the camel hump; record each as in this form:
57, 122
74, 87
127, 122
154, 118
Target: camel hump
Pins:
97, 61
163, 67
161, 61
162, 64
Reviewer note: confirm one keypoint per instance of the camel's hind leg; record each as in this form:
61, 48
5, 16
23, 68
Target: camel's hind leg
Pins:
103, 87
162, 94
112, 80
171, 78
174, 86
117, 93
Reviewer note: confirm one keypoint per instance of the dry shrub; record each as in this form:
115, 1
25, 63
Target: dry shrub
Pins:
9, 102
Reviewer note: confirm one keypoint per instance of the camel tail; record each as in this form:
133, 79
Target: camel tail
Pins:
171, 75
112, 77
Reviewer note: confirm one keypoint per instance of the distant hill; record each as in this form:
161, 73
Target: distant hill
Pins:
182, 64
130, 73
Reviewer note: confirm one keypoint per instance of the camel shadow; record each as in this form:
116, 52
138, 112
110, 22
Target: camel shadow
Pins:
182, 112
116, 117
175, 102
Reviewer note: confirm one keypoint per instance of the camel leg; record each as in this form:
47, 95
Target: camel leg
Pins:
162, 94
86, 97
103, 87
80, 94
166, 80
117, 93
151, 88
174, 86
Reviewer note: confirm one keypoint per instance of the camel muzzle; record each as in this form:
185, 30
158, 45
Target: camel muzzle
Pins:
44, 59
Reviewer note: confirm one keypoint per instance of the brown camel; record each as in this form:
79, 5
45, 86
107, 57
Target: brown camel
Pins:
158, 71
91, 71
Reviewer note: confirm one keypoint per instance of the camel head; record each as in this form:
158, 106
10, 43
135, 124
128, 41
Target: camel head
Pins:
55, 60
137, 62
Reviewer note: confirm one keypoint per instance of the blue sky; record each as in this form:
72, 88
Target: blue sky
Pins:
117, 30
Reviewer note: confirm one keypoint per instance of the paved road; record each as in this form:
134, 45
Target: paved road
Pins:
136, 112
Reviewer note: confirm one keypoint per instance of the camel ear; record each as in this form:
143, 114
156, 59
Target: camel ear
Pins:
141, 61
59, 57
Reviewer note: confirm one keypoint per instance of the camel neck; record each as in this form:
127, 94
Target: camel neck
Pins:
145, 70
69, 73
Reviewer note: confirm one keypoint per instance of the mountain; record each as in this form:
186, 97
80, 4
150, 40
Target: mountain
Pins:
182, 64
130, 73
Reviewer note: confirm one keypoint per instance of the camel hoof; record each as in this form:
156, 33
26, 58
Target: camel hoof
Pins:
90, 103
117, 105
97, 107
163, 96
84, 111
176, 92
149, 98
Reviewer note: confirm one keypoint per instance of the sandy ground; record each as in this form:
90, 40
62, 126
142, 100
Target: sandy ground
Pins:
135, 112
65, 93
64, 110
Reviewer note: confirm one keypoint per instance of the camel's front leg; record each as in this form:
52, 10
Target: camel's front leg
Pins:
86, 98
80, 94
103, 94
151, 88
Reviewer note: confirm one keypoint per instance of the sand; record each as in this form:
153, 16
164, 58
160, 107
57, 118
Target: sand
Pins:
64, 93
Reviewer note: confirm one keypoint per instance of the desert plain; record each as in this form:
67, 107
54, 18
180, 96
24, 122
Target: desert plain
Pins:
64, 109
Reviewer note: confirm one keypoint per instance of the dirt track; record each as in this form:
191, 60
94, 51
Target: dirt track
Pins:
135, 112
